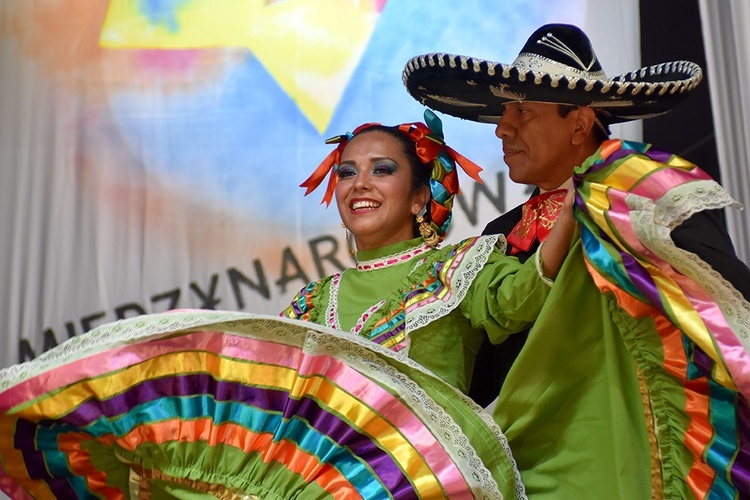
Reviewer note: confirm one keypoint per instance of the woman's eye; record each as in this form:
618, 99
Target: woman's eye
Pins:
346, 171
384, 168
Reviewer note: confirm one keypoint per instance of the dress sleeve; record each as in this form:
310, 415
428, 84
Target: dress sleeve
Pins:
305, 304
506, 296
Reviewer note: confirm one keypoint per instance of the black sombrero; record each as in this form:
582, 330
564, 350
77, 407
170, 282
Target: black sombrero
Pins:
557, 65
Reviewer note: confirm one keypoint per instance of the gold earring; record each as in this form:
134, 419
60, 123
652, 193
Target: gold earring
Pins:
349, 246
429, 235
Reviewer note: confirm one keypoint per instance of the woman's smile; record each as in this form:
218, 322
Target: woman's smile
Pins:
359, 205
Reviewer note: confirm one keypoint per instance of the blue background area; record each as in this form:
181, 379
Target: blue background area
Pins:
243, 143
162, 12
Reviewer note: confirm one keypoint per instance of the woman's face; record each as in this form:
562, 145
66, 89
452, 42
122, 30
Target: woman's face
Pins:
374, 191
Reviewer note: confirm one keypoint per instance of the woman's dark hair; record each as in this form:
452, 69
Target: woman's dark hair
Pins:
418, 141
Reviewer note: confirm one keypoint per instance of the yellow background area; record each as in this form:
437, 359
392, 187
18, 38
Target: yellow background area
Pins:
310, 47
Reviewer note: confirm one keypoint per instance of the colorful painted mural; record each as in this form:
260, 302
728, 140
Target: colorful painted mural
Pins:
151, 150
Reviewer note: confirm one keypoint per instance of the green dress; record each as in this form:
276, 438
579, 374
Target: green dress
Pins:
635, 378
571, 405
204, 404
436, 306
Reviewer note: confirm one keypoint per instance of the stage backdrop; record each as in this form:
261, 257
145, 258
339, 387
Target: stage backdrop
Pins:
151, 150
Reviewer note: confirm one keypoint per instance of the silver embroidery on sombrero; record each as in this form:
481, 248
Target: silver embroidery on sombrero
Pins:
609, 104
534, 62
547, 62
500, 91
551, 41
453, 101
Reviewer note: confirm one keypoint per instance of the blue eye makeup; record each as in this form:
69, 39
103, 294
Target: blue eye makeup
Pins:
380, 167
384, 167
345, 171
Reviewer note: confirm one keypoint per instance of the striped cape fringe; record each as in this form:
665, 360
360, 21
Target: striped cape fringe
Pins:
629, 197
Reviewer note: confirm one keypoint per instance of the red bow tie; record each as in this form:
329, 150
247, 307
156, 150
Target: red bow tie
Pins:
539, 215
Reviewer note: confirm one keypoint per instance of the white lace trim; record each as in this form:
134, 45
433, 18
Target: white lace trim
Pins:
502, 244
653, 223
332, 314
362, 354
393, 260
117, 334
446, 430
471, 263
683, 201
332, 311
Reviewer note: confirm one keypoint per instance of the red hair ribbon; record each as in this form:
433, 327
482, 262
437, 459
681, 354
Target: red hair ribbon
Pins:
329, 162
438, 213
428, 146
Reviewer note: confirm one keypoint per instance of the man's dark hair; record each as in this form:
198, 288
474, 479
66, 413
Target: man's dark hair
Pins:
601, 127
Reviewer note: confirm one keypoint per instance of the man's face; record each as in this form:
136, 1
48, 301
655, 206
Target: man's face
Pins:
538, 143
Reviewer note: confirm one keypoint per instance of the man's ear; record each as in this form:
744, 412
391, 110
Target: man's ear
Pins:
585, 119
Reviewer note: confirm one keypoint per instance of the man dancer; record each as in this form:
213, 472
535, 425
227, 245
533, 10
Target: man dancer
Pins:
595, 405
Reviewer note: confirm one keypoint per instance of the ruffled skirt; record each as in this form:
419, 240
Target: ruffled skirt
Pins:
233, 405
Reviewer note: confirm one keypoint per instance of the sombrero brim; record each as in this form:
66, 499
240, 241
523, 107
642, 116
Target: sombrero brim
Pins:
475, 89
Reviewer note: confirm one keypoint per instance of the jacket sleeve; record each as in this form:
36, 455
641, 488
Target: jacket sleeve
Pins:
506, 296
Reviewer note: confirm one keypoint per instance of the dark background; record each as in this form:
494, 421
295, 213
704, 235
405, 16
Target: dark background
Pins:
671, 30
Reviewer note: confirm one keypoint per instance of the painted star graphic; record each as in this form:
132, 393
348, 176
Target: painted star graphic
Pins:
310, 47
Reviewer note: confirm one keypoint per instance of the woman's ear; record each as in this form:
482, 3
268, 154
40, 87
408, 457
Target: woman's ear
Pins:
585, 118
421, 199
